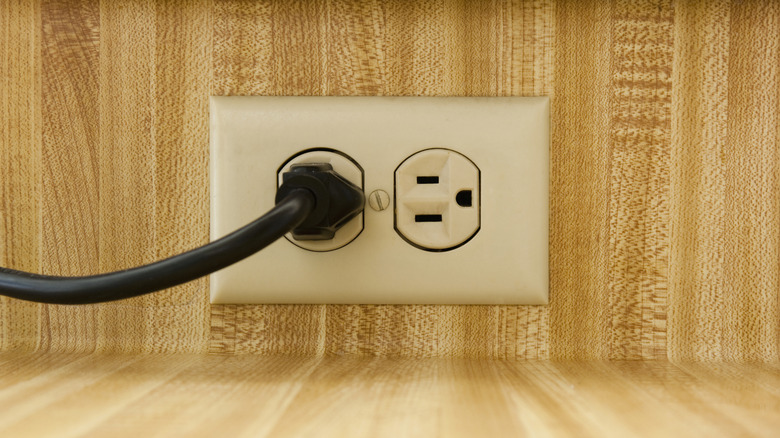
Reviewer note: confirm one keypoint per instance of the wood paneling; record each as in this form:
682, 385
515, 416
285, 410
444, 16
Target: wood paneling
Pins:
698, 180
579, 226
124, 162
664, 204
640, 137
725, 196
20, 162
70, 160
64, 395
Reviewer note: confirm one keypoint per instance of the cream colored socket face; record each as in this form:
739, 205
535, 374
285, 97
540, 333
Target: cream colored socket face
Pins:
506, 262
437, 199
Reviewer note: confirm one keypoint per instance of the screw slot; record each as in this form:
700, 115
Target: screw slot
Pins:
379, 200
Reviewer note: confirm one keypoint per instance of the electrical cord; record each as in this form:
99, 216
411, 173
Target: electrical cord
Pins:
290, 211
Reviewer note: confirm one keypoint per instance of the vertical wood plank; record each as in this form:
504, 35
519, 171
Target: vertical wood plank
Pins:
178, 318
725, 299
530, 37
71, 141
699, 129
297, 58
127, 160
277, 329
579, 208
752, 219
20, 166
223, 329
354, 42
777, 178
70, 63
642, 41
478, 49
425, 48
269, 47
532, 46
242, 48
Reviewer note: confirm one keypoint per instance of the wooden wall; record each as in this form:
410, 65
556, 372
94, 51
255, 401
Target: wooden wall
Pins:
665, 194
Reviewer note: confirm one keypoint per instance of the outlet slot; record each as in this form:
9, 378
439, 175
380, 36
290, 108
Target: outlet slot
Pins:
427, 180
427, 218
463, 198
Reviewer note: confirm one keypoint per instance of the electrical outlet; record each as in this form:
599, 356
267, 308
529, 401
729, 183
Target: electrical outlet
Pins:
457, 198
437, 199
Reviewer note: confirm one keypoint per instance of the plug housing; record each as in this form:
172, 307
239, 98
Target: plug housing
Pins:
337, 200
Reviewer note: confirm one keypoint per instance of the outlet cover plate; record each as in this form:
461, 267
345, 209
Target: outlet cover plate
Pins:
506, 262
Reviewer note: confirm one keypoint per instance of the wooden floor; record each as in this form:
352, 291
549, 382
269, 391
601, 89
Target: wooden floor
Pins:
67, 395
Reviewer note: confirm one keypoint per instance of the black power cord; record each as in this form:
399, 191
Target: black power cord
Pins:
313, 202
283, 218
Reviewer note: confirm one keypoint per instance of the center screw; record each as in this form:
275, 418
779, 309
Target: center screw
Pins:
379, 200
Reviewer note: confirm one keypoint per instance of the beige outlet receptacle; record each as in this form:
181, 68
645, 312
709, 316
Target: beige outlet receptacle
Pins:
437, 199
465, 241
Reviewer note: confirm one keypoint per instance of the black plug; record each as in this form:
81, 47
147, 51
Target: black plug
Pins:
336, 199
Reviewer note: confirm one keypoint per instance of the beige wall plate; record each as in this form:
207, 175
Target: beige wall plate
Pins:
505, 262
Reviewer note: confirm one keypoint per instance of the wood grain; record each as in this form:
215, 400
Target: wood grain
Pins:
640, 137
20, 162
67, 395
698, 179
70, 157
664, 184
579, 222
725, 199
752, 219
